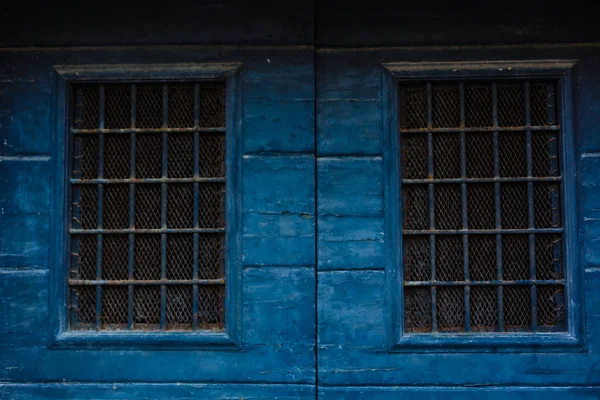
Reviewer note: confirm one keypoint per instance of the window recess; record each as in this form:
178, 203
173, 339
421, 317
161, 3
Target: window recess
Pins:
482, 231
148, 212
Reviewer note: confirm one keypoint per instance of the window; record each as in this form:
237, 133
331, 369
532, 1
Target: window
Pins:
148, 208
482, 233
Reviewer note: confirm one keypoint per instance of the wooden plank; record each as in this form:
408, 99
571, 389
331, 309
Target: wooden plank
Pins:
450, 392
279, 205
25, 115
279, 305
352, 344
31, 391
223, 21
278, 326
275, 126
347, 127
350, 186
433, 24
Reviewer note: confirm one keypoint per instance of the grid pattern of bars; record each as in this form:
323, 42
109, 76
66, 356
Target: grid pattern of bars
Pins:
482, 232
148, 207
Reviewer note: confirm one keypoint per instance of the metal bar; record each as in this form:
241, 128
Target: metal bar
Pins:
480, 129
154, 180
554, 146
163, 130
165, 150
551, 104
131, 207
431, 203
78, 120
530, 205
481, 231
196, 204
485, 283
463, 197
185, 230
481, 180
100, 201
497, 200
101, 282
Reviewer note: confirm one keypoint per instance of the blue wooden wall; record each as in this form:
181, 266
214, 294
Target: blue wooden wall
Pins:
352, 299
313, 292
278, 219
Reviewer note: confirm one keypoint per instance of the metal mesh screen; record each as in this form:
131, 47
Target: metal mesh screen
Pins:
148, 207
481, 183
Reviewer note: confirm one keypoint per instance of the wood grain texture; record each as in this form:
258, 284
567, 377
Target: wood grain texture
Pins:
16, 391
435, 23
276, 300
308, 200
353, 299
448, 393
214, 21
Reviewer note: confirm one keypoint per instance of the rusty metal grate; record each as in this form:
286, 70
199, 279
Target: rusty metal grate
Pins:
148, 207
481, 184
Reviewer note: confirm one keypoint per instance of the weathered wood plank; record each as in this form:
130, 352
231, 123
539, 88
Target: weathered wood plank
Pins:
24, 211
279, 305
347, 127
223, 21
279, 206
179, 391
352, 344
433, 24
350, 186
272, 126
590, 170
25, 116
278, 341
450, 392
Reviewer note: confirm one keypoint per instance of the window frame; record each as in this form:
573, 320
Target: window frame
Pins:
398, 340
64, 77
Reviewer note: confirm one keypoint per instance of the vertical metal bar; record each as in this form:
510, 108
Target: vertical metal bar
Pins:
165, 150
530, 205
196, 203
553, 148
75, 222
463, 192
431, 189
100, 201
131, 207
497, 201
551, 104
76, 206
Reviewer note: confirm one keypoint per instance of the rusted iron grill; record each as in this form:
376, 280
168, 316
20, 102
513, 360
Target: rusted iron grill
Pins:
481, 186
148, 207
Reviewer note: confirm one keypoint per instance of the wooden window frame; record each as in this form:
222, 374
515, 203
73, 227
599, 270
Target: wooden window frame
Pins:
64, 77
563, 72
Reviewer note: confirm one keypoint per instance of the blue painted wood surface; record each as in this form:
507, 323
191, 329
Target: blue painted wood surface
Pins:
276, 297
353, 297
313, 228
58, 391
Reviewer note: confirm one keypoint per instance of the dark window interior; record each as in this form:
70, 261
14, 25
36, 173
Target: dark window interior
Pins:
148, 208
481, 206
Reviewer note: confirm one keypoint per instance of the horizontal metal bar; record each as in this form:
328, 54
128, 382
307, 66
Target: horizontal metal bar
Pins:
133, 282
162, 230
484, 180
484, 283
151, 130
480, 231
483, 129
147, 180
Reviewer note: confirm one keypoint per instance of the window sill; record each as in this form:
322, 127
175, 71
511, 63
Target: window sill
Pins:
143, 340
488, 342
